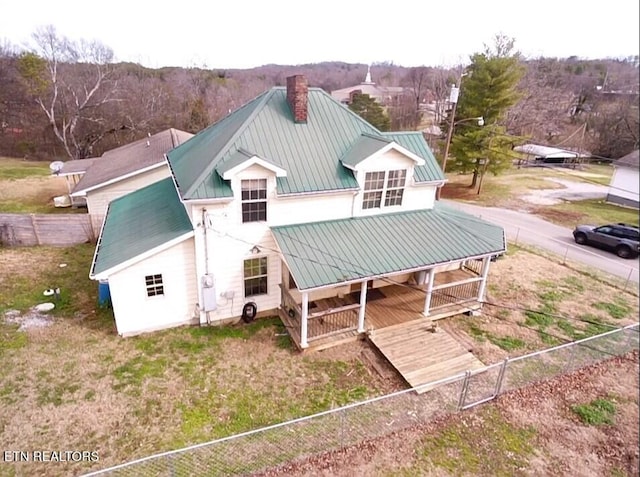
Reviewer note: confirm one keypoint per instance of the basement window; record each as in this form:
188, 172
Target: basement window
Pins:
384, 187
254, 200
154, 285
255, 276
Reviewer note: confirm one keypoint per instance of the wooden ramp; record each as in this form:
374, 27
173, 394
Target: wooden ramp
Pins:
421, 355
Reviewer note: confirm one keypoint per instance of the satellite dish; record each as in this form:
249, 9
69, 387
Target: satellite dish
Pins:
56, 166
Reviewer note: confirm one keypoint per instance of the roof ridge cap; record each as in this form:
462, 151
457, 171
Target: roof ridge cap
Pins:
224, 149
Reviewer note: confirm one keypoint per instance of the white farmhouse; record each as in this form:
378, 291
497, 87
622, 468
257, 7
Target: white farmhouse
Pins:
293, 205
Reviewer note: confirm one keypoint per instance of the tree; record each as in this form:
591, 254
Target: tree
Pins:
488, 91
371, 111
71, 82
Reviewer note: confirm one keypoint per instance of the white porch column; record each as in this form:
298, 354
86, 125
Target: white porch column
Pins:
483, 284
303, 320
363, 302
427, 298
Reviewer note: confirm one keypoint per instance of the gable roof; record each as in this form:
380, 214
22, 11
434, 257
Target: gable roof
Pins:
138, 223
130, 159
326, 253
310, 152
630, 160
242, 159
76, 166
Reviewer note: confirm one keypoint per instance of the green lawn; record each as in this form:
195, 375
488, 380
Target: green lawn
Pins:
27, 187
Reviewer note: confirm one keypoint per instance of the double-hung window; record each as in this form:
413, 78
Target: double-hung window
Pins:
254, 200
255, 276
384, 188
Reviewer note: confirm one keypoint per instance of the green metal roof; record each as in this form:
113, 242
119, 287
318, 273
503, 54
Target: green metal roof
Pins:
415, 142
310, 152
238, 158
335, 251
365, 146
139, 222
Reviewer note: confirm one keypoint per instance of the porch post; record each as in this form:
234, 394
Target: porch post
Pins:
427, 298
483, 284
303, 320
363, 302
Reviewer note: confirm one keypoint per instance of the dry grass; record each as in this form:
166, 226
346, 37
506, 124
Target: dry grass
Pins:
28, 187
76, 385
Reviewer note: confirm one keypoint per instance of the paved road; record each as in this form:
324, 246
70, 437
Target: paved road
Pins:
532, 230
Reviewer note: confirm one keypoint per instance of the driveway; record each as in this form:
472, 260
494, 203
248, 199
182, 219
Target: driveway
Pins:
571, 190
532, 230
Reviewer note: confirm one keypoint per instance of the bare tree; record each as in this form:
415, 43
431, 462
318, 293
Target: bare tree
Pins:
71, 82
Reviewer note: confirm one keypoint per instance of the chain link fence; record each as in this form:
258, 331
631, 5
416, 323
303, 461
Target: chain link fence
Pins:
280, 444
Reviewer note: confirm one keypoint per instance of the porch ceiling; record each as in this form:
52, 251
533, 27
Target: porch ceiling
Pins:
327, 253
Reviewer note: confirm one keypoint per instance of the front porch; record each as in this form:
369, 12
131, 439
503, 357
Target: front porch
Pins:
346, 315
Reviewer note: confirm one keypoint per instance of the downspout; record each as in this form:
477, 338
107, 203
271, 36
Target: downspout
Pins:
206, 255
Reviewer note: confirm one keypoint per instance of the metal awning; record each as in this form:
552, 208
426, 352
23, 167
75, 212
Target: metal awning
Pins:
321, 254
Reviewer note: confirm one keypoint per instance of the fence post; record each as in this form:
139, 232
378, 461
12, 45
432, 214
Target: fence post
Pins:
569, 365
566, 252
342, 430
628, 279
500, 377
517, 235
35, 229
464, 390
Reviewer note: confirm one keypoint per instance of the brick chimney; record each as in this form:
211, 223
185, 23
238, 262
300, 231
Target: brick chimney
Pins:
297, 97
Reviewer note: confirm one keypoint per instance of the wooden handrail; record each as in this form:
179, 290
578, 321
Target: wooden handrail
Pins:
330, 311
461, 282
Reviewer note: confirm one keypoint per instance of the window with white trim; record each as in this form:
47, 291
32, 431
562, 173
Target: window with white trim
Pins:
383, 187
255, 276
254, 200
154, 285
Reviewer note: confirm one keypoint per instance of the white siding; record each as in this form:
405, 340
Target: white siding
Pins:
625, 183
135, 312
98, 199
229, 241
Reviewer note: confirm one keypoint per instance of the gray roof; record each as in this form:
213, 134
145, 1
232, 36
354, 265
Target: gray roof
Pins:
77, 166
139, 222
630, 160
310, 152
128, 159
336, 251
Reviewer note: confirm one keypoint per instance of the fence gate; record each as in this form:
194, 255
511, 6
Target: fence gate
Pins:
482, 386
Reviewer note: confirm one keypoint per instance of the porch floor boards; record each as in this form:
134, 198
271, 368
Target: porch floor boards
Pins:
422, 355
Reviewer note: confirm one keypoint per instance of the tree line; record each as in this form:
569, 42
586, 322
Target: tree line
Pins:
63, 99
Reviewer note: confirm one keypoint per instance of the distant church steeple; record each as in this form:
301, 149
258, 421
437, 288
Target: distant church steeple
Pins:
367, 80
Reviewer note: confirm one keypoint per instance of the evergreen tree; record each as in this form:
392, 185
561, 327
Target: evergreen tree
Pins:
371, 111
488, 90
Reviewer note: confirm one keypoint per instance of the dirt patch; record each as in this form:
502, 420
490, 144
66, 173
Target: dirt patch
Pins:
25, 321
562, 444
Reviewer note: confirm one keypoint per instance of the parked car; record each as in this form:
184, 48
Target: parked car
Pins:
623, 239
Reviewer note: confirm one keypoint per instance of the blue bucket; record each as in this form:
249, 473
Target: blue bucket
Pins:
104, 294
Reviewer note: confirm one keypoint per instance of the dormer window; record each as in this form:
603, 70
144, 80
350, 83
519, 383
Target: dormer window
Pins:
383, 187
254, 200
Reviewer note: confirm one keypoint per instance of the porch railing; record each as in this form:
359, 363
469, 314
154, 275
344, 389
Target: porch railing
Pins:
332, 321
474, 266
462, 292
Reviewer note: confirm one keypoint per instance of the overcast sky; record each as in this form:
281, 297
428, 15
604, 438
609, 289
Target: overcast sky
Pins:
243, 34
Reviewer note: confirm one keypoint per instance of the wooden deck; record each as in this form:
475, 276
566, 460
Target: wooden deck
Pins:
420, 354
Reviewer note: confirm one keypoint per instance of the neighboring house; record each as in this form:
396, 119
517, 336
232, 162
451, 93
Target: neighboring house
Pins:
125, 169
549, 155
625, 182
292, 204
73, 171
386, 95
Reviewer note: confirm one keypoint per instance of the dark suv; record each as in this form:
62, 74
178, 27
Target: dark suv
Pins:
620, 238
